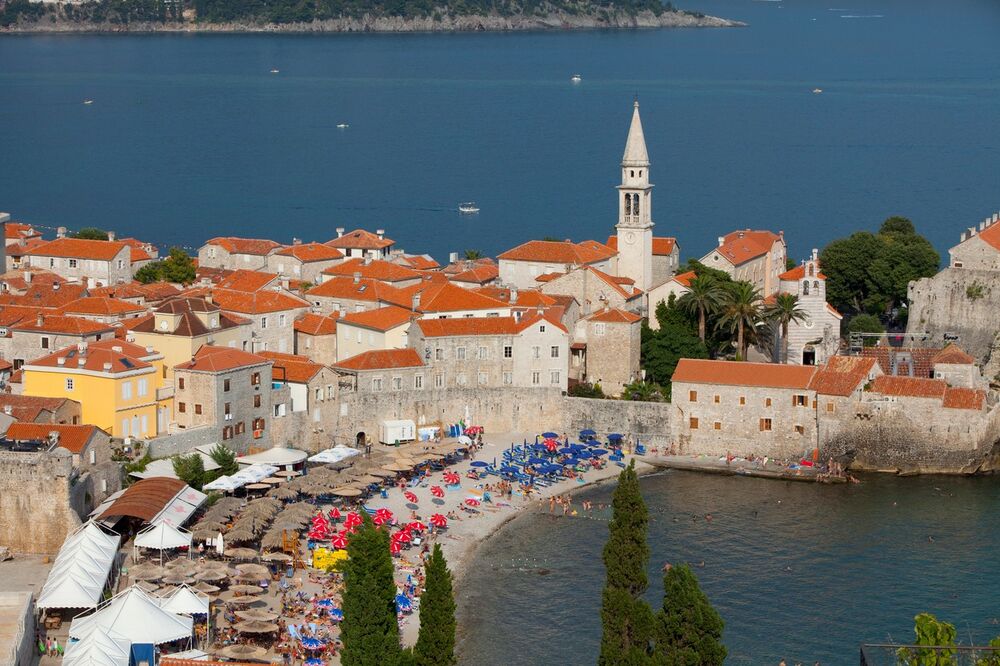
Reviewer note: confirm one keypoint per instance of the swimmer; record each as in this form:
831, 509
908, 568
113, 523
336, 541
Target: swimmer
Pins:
667, 566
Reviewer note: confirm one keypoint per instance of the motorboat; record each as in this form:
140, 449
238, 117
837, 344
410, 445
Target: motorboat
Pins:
576, 78
342, 125
468, 208
817, 91
88, 101
275, 71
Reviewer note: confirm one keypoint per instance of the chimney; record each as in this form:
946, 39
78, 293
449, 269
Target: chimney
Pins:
415, 302
453, 257
284, 283
340, 232
55, 286
91, 283
296, 241
149, 349
513, 295
53, 437
367, 260
107, 367
111, 236
721, 241
357, 278
27, 276
985, 223
8, 409
208, 299
61, 232
82, 361
82, 347
117, 349
61, 360
741, 234
380, 233
40, 321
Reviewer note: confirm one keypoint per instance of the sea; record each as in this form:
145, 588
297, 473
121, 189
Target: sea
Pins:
190, 136
800, 572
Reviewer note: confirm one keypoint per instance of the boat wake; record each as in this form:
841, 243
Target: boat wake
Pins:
862, 16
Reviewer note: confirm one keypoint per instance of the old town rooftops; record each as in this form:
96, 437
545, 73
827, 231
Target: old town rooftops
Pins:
221, 359
257, 302
953, 355
363, 289
79, 248
361, 239
236, 245
246, 280
310, 252
615, 316
739, 247
317, 324
102, 306
292, 368
29, 408
375, 270
662, 246
735, 373
559, 252
110, 356
381, 319
842, 375
73, 438
65, 325
381, 359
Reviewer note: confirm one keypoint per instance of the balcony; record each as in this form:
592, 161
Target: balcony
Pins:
164, 393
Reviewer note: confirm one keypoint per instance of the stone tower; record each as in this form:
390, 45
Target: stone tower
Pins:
635, 219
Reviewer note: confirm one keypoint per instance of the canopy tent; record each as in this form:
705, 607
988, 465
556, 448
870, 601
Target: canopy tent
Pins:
252, 474
334, 455
226, 484
181, 507
80, 572
153, 500
186, 601
278, 455
136, 616
99, 648
163, 536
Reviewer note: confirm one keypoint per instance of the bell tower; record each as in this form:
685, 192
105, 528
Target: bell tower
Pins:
635, 219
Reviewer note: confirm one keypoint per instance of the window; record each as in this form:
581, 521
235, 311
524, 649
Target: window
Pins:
460, 353
460, 380
438, 380
45, 342
599, 328
541, 329
263, 322
93, 457
69, 383
717, 399
141, 389
226, 409
800, 429
181, 407
438, 354
52, 263
800, 401
418, 381
554, 377
255, 379
225, 384
717, 425
197, 408
376, 383
121, 264
180, 383
829, 407
483, 378
765, 425
329, 391
397, 383
126, 390
536, 352
508, 379
692, 396
693, 423
125, 423
767, 402
282, 320
143, 424
227, 432
743, 400
318, 394
256, 401
72, 263
536, 377
483, 353
508, 351
555, 351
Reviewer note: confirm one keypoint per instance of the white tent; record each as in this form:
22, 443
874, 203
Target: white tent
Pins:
80, 572
181, 507
224, 483
163, 536
134, 615
254, 473
99, 648
334, 455
186, 601
279, 455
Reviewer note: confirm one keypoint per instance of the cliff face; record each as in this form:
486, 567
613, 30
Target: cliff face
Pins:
446, 23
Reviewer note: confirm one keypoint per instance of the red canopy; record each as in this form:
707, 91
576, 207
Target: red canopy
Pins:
437, 491
410, 496
437, 520
472, 502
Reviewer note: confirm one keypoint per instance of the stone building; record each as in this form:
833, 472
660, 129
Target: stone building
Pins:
311, 385
979, 248
606, 349
475, 276
40, 335
226, 389
595, 290
234, 253
93, 262
384, 328
956, 368
666, 257
29, 409
676, 286
271, 312
316, 337
381, 371
521, 266
439, 299
103, 309
738, 407
757, 257
305, 261
361, 243
634, 241
816, 338
355, 294
393, 274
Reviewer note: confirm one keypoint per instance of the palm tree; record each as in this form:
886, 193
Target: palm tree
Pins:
703, 297
740, 310
783, 312
472, 255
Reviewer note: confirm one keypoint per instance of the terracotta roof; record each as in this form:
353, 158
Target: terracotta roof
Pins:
914, 387
308, 252
376, 270
548, 316
62, 324
256, 302
954, 355
463, 326
235, 245
662, 247
122, 357
919, 364
477, 275
832, 310
464, 264
842, 375
963, 398
525, 298
79, 248
17, 230
548, 277
146, 498
736, 373
684, 279
12, 314
448, 297
798, 273
213, 275
419, 262
46, 295
102, 306
246, 280
73, 438
122, 291
317, 324
28, 408
374, 291
382, 319
221, 359
622, 286
292, 368
157, 291
740, 247
24, 247
615, 316
991, 235
360, 239
559, 252
188, 324
382, 359
136, 254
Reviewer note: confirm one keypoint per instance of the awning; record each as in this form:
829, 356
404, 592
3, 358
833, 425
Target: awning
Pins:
80, 572
180, 508
99, 648
133, 615
163, 536
334, 455
185, 601
278, 455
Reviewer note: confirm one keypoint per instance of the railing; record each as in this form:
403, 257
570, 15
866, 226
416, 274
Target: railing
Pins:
890, 654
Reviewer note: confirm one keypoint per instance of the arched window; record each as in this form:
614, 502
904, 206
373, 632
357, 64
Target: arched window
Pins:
811, 273
635, 205
628, 205
816, 285
632, 173
805, 287
640, 173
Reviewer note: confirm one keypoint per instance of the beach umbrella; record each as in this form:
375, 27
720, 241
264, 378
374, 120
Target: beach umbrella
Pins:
395, 547
340, 541
288, 473
353, 519
412, 497
318, 535
416, 526
257, 570
336, 615
437, 491
236, 599
566, 451
314, 661
479, 463
277, 557
334, 513
146, 587
242, 652
206, 588
403, 603
452, 478
381, 520
310, 643
550, 435
437, 520
615, 437
384, 513
255, 627
245, 589
211, 575
551, 445
258, 614
598, 452
325, 603
402, 536
587, 432
241, 554
283, 493
471, 501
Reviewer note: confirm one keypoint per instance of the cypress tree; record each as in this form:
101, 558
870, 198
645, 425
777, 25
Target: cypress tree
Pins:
369, 629
688, 630
626, 618
436, 641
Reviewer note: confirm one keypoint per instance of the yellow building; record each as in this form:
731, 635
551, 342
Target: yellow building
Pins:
118, 385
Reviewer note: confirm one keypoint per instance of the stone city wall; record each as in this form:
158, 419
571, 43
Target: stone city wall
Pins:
649, 422
16, 607
36, 501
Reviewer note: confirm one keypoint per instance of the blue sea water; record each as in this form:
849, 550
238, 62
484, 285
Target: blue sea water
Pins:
191, 136
801, 572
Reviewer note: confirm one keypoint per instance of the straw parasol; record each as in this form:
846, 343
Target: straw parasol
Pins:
396, 467
235, 599
383, 473
258, 614
346, 491
273, 539
166, 590
277, 557
202, 586
147, 587
255, 627
211, 575
289, 473
240, 535
147, 571
242, 652
403, 460
273, 480
242, 554
366, 479
258, 570
175, 579
246, 589
283, 493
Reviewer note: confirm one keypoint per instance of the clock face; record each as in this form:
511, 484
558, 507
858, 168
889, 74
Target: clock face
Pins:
630, 238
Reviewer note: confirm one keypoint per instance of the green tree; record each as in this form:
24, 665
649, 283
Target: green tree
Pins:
782, 313
90, 233
865, 323
586, 390
436, 639
642, 391
675, 339
740, 311
177, 267
930, 632
225, 459
369, 629
703, 297
688, 629
626, 618
472, 255
190, 469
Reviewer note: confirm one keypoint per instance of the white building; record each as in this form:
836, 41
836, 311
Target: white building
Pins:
635, 215
817, 338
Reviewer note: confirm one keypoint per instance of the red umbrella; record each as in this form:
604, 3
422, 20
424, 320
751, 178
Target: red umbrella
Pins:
416, 526
437, 520
318, 535
551, 445
319, 522
353, 520
339, 541
410, 496
395, 547
437, 491
472, 502
402, 536
384, 513
334, 513
451, 478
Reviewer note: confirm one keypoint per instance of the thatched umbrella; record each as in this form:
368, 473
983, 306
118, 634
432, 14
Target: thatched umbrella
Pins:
242, 554
246, 589
146, 571
211, 575
283, 493
242, 652
166, 590
202, 586
364, 479
274, 538
240, 535
174, 579
346, 491
258, 570
255, 627
277, 557
382, 473
211, 525
289, 473
258, 614
183, 567
272, 506
403, 460
238, 600
395, 467
149, 588
204, 535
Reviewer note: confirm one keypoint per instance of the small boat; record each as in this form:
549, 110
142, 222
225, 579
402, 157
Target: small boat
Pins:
817, 91
342, 126
576, 78
88, 101
275, 71
468, 208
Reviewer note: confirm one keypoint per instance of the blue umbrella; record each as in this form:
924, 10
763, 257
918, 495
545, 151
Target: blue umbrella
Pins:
615, 436
584, 455
403, 603
587, 432
325, 603
598, 452
337, 614
567, 450
312, 643
508, 469
537, 461
570, 462
314, 661
550, 435
479, 463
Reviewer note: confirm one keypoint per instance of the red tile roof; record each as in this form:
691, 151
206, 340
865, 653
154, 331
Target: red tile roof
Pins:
25, 247
548, 277
235, 245
798, 273
448, 297
61, 324
954, 355
559, 252
317, 324
250, 303
122, 357
292, 368
920, 363
221, 359
842, 375
382, 359
615, 316
662, 247
376, 270
29, 408
740, 247
79, 248
361, 240
52, 295
548, 316
963, 398
991, 235
16, 230
246, 280
73, 438
444, 328
382, 319
419, 262
684, 279
102, 306
913, 387
365, 289
735, 373
477, 275
309, 252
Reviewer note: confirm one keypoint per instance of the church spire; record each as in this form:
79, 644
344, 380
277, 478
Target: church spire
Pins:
635, 145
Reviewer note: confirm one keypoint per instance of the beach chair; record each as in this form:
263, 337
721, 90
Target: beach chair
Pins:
640, 449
